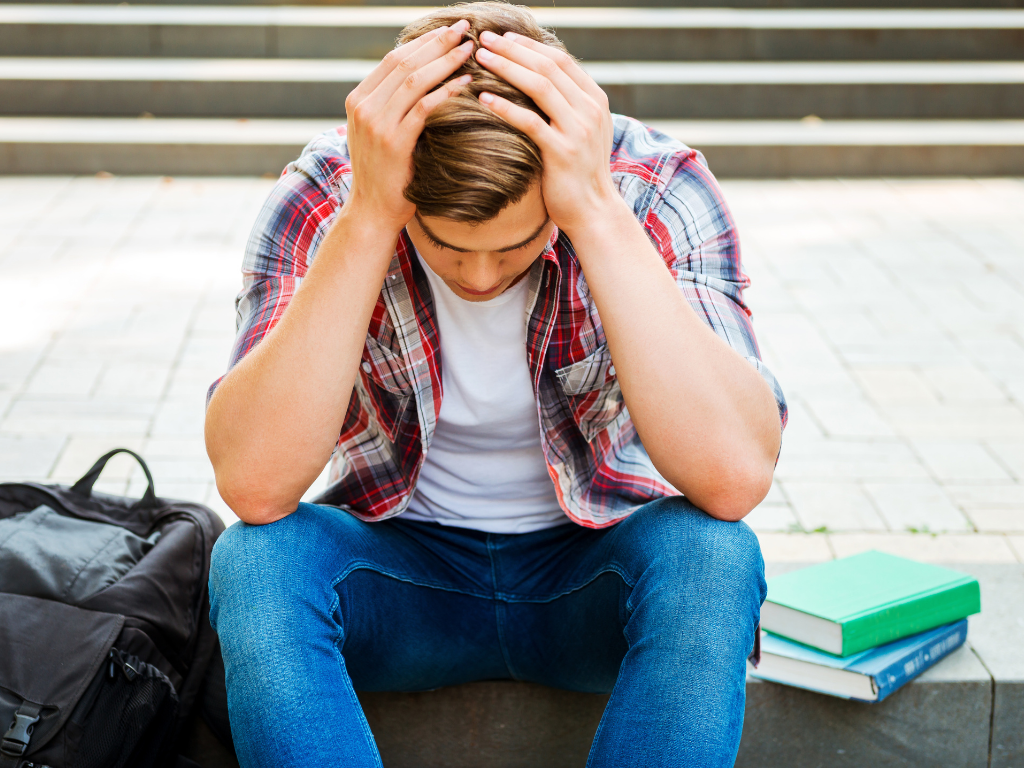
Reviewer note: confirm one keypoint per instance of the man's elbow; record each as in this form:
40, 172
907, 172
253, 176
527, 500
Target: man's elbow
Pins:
251, 504
731, 493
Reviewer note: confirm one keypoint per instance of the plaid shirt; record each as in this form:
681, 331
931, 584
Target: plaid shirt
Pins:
599, 467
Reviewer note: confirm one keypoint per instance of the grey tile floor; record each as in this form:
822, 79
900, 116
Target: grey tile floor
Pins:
892, 312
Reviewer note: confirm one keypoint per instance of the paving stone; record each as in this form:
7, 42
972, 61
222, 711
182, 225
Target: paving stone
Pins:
848, 417
794, 547
82, 451
65, 378
1011, 454
1002, 520
916, 507
1017, 545
1004, 495
81, 416
939, 548
849, 460
772, 517
959, 461
962, 383
837, 506
142, 380
29, 456
956, 421
895, 385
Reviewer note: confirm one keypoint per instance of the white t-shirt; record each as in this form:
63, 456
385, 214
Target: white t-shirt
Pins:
485, 468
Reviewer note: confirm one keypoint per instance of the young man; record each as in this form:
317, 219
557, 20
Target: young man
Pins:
523, 317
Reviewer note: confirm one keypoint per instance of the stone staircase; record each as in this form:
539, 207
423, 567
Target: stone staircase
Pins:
762, 91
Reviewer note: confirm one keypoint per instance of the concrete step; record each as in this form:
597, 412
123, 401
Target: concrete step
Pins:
746, 149
593, 34
317, 87
963, 713
765, 4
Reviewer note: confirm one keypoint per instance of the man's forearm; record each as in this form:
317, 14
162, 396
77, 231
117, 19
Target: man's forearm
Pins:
705, 416
275, 418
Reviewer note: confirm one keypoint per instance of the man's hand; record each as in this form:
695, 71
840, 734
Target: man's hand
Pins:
575, 147
386, 114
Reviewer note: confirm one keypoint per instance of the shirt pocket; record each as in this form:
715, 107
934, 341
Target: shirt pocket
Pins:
387, 384
593, 392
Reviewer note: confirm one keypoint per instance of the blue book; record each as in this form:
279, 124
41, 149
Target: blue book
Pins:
870, 675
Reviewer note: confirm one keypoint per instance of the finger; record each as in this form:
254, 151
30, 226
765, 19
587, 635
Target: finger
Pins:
417, 117
526, 120
537, 62
565, 62
419, 83
388, 63
538, 87
437, 48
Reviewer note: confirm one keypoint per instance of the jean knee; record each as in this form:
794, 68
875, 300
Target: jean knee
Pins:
266, 569
692, 552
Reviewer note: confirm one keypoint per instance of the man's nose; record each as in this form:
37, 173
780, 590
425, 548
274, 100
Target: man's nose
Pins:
480, 272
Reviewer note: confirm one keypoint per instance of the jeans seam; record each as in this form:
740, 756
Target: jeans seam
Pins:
365, 565
364, 725
498, 609
610, 568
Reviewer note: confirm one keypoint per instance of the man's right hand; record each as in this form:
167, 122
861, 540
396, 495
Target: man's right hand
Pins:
386, 114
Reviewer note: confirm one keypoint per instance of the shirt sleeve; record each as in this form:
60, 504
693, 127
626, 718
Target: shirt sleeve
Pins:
693, 229
291, 224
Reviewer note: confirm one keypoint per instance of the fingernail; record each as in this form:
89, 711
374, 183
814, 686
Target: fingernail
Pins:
486, 98
463, 80
461, 25
511, 36
488, 37
484, 55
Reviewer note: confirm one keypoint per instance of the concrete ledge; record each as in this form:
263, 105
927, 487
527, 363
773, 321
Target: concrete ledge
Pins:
942, 718
967, 708
696, 90
734, 149
640, 4
500, 724
593, 34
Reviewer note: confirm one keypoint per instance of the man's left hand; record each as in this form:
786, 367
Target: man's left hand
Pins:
576, 146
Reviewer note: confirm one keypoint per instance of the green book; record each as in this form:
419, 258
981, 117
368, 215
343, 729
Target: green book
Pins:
846, 606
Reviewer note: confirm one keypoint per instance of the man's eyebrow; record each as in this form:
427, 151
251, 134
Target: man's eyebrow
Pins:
518, 245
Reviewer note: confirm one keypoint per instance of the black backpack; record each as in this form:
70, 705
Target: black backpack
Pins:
104, 623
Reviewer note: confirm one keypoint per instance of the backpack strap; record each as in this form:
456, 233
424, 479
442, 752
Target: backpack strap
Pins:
84, 485
16, 740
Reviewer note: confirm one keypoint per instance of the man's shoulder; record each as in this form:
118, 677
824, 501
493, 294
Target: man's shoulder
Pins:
324, 160
645, 161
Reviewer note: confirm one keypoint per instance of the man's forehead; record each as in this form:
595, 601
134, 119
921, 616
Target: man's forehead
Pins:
498, 234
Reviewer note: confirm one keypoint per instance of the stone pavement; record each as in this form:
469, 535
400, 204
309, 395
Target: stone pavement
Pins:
892, 312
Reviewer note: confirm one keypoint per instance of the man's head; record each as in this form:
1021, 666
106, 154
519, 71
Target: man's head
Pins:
469, 164
481, 220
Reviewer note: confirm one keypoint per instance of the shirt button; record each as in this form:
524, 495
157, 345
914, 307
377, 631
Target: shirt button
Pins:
366, 367
611, 370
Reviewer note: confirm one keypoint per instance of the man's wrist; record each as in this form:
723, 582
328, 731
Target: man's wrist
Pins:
366, 226
603, 220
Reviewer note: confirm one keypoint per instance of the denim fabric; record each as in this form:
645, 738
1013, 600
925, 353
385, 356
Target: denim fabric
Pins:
659, 610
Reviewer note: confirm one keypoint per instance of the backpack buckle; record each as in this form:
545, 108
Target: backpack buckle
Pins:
15, 741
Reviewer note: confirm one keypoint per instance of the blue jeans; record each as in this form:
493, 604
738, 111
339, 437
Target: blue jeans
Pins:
659, 610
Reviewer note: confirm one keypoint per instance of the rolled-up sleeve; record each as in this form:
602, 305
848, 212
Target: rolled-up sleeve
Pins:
289, 227
693, 229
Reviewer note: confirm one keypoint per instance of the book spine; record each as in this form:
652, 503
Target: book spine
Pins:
916, 615
905, 669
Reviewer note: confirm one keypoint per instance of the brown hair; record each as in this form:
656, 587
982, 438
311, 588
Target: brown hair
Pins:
468, 163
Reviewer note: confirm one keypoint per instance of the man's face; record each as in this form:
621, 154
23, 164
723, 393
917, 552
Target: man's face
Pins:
480, 261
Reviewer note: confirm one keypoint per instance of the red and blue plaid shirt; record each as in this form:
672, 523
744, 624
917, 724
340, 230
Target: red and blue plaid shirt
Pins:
596, 461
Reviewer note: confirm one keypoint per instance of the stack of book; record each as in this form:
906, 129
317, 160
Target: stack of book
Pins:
862, 626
